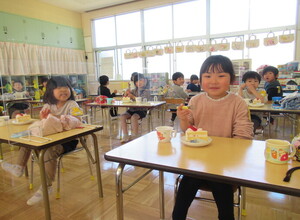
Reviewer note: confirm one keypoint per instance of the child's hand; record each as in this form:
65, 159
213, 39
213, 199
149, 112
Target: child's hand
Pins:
243, 86
183, 112
44, 113
251, 88
115, 91
188, 90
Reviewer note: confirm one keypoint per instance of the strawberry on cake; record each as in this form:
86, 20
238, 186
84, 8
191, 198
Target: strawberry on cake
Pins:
194, 135
21, 118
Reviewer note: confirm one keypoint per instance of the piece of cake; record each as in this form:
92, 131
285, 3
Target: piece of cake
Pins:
126, 99
20, 118
195, 135
256, 101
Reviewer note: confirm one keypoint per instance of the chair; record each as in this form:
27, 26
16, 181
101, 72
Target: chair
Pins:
240, 191
149, 121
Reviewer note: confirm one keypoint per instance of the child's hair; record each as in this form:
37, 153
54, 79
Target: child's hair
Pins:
194, 77
177, 75
103, 80
270, 69
45, 79
219, 64
251, 75
133, 75
53, 83
138, 77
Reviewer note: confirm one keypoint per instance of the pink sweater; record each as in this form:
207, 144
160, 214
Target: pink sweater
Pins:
227, 117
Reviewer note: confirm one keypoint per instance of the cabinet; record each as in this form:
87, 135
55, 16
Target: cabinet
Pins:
240, 67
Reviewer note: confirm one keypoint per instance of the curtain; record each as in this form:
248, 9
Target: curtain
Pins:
27, 59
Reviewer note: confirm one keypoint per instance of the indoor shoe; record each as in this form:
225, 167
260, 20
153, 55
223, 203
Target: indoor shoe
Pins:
38, 196
15, 170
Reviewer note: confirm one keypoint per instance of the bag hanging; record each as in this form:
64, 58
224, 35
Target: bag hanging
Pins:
179, 48
224, 45
142, 53
127, 54
201, 47
252, 43
190, 48
134, 54
169, 49
270, 41
150, 52
159, 51
213, 46
286, 38
238, 44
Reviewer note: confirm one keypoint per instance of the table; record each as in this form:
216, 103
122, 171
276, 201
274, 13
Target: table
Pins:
149, 105
40, 148
234, 161
267, 108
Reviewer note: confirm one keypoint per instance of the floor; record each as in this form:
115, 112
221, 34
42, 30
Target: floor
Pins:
79, 195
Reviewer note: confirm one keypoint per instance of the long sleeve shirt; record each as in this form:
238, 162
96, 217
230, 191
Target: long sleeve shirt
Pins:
103, 90
225, 117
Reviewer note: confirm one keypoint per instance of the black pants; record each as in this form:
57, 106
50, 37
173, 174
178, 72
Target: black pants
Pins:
173, 115
113, 111
256, 122
223, 195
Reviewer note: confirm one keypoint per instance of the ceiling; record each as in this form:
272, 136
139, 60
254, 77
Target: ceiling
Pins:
85, 5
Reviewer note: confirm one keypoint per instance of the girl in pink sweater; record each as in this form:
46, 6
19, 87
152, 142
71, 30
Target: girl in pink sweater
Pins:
222, 114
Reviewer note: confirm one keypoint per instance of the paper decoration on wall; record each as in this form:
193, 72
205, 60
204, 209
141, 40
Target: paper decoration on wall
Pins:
271, 39
179, 48
213, 47
252, 42
169, 48
201, 47
224, 45
189, 48
286, 38
238, 44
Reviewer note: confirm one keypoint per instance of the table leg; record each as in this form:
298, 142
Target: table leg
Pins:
44, 183
1, 152
98, 170
119, 191
161, 195
269, 117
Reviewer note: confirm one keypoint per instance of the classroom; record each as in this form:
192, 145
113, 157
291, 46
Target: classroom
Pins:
142, 109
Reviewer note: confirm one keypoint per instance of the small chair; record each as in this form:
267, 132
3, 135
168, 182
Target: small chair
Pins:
172, 101
240, 203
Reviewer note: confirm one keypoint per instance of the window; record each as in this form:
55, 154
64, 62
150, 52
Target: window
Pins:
128, 66
158, 24
105, 38
128, 28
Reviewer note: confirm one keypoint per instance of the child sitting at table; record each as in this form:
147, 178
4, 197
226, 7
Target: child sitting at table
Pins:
176, 91
249, 90
59, 100
19, 93
104, 90
272, 85
222, 114
134, 113
194, 84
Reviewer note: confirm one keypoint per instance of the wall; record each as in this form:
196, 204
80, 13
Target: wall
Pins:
42, 11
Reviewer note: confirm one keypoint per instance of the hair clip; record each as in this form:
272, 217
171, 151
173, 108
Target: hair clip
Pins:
289, 174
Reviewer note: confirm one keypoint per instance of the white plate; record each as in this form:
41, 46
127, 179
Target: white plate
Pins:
199, 144
256, 105
22, 123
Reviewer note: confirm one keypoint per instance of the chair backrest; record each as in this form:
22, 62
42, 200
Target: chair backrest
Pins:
177, 101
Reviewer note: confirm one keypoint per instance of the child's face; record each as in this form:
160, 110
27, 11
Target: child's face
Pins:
62, 94
18, 87
140, 83
269, 76
253, 82
195, 81
45, 84
179, 81
215, 84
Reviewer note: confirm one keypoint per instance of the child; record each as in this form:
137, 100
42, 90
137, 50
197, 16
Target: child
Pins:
272, 86
176, 91
135, 113
59, 100
249, 89
194, 84
222, 114
44, 83
131, 83
104, 90
18, 93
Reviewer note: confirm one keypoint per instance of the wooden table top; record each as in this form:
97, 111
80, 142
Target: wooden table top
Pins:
150, 104
235, 161
62, 137
267, 107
